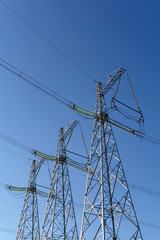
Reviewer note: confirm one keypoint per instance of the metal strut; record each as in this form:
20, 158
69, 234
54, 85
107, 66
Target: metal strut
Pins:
108, 207
112, 80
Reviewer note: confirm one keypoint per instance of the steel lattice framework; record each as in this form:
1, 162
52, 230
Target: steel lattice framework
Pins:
108, 208
28, 228
60, 222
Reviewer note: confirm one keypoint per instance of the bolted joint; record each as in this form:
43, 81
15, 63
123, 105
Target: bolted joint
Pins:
102, 116
62, 159
32, 189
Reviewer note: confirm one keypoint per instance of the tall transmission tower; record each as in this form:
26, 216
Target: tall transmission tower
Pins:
60, 222
108, 207
28, 228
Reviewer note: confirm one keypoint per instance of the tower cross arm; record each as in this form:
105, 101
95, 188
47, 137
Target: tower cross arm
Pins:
69, 129
113, 80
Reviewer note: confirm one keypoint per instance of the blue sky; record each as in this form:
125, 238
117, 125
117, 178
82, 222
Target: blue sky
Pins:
99, 36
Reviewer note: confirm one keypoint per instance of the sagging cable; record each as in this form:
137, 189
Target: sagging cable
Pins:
9, 67
117, 88
133, 93
84, 140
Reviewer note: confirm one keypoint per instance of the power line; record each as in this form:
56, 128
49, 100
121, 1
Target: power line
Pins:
77, 154
152, 139
151, 225
52, 93
46, 89
68, 58
80, 205
32, 150
143, 102
145, 190
32, 79
24, 147
9, 150
16, 143
131, 185
34, 82
49, 42
17, 72
6, 230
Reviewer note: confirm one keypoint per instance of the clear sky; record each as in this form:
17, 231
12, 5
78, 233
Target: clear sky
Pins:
99, 36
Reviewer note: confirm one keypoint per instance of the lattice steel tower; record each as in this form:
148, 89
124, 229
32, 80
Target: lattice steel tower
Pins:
28, 228
60, 222
108, 208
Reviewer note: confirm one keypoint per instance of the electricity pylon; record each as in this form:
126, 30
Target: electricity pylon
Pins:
28, 228
108, 208
59, 221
